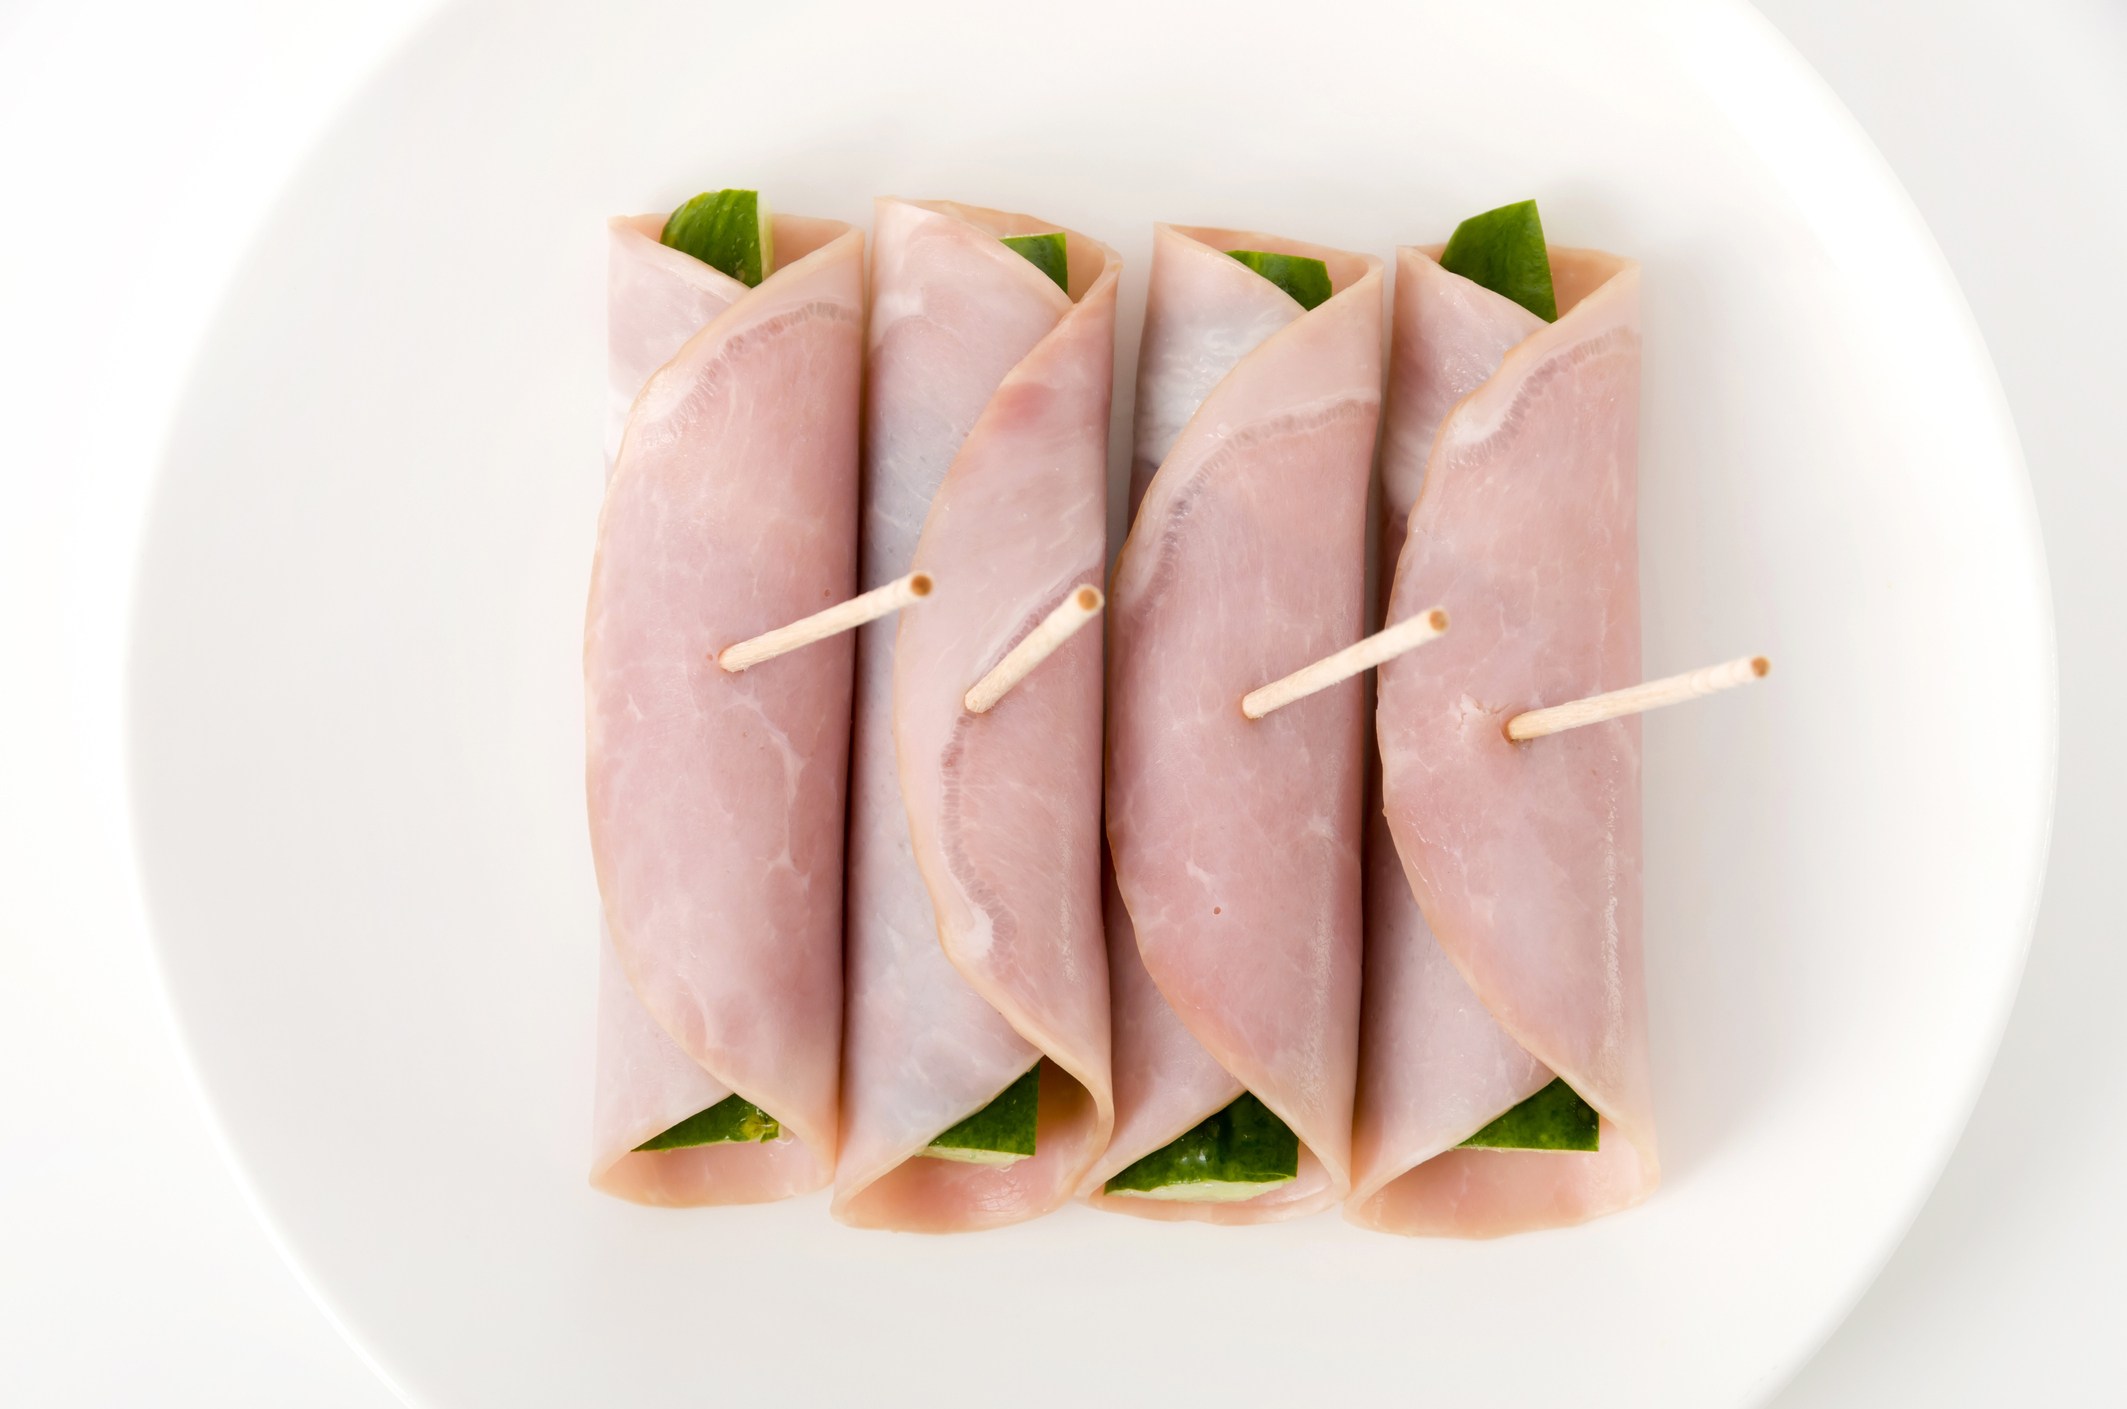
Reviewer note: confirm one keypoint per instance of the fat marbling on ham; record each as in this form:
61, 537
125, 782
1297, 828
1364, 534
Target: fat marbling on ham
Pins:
974, 928
716, 801
1503, 926
1236, 843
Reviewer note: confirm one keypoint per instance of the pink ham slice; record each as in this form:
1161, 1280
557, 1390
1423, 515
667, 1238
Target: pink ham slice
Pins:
1236, 843
716, 801
1503, 927
656, 299
1168, 1078
975, 934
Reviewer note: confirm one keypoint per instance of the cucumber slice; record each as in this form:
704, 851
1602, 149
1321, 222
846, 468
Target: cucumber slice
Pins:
733, 1120
1307, 280
1001, 1133
1555, 1118
1504, 250
1046, 253
730, 231
1235, 1155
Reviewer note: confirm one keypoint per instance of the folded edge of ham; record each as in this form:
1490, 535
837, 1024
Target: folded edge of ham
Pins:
656, 299
716, 802
1236, 843
975, 934
1503, 938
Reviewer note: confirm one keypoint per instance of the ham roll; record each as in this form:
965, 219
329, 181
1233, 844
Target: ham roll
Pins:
716, 800
1235, 937
1503, 924
977, 974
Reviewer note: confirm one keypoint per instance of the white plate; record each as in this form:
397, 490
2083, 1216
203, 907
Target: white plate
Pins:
357, 716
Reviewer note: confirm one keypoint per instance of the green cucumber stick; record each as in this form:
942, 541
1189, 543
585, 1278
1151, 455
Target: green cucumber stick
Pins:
733, 1120
730, 231
1504, 250
1555, 1118
1046, 253
1236, 1154
1002, 1132
1307, 280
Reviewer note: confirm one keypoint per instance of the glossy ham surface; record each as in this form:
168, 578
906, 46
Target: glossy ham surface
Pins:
1201, 317
1434, 1066
656, 299
1170, 1080
1170, 1083
1510, 950
716, 801
1237, 844
975, 937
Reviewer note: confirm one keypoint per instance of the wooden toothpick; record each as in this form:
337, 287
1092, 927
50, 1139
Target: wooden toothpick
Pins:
1652, 695
845, 616
1037, 646
1411, 632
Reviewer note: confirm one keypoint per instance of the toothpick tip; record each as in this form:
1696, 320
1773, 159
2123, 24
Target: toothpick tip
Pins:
1075, 611
919, 584
1760, 666
1439, 619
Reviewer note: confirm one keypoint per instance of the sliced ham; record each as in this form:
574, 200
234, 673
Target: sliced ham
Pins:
656, 299
1202, 316
716, 801
975, 938
1236, 843
1503, 924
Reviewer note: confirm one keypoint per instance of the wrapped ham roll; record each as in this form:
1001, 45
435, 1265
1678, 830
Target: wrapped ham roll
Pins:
976, 965
1503, 926
717, 801
1236, 843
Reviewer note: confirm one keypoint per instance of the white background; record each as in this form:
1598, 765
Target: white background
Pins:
140, 145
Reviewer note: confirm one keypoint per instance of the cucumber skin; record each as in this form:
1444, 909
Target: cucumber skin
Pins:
1245, 1143
722, 229
1306, 280
1555, 1118
1504, 250
731, 1121
1044, 252
1007, 1124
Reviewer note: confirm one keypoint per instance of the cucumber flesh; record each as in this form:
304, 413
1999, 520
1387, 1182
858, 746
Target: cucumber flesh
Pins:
1046, 253
1307, 280
1236, 1154
1001, 1133
1202, 1191
730, 231
733, 1120
1504, 250
1555, 1118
